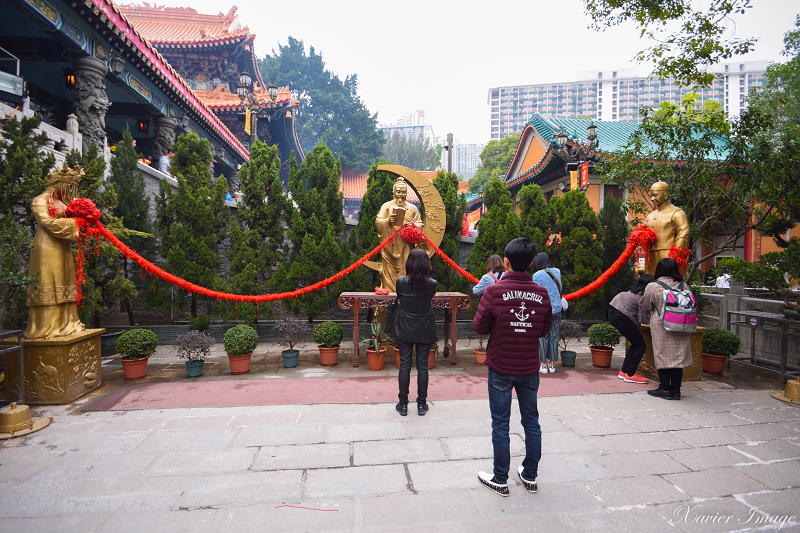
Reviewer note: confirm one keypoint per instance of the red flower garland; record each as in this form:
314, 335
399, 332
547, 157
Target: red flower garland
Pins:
681, 256
412, 234
83, 208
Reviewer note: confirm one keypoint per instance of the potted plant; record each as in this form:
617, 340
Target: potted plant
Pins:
718, 345
480, 351
569, 330
375, 354
434, 351
602, 339
328, 335
194, 346
136, 346
239, 342
293, 331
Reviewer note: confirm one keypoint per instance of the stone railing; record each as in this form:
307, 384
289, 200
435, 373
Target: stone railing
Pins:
59, 142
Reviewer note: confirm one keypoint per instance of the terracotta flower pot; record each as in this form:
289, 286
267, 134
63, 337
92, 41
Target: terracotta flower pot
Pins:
134, 368
375, 359
328, 356
432, 359
601, 357
480, 356
240, 364
713, 363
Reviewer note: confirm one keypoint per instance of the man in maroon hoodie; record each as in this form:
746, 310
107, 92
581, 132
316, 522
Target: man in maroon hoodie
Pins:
516, 312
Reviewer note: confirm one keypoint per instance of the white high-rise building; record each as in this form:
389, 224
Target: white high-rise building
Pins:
466, 158
412, 125
615, 95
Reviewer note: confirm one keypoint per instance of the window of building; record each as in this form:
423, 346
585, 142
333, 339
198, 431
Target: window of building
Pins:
612, 191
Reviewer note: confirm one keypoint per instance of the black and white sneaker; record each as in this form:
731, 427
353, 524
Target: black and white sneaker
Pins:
530, 486
499, 488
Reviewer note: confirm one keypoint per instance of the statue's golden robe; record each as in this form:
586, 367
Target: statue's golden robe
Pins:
53, 311
394, 254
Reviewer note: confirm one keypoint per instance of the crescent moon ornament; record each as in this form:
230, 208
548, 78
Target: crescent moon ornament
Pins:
432, 204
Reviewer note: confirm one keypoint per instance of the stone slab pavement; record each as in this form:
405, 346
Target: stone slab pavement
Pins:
722, 459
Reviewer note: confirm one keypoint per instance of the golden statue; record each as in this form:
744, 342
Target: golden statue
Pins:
53, 311
391, 216
670, 224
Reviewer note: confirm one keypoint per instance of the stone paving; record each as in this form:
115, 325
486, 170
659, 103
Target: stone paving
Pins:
725, 458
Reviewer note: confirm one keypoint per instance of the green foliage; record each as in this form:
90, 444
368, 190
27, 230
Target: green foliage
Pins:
375, 338
579, 253
23, 169
412, 152
689, 39
613, 219
498, 227
328, 334
603, 335
773, 270
200, 322
454, 206
194, 346
137, 344
293, 330
193, 220
720, 342
240, 340
330, 109
537, 217
495, 159
569, 330
15, 255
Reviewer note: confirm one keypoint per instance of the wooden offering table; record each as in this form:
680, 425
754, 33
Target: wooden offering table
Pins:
451, 302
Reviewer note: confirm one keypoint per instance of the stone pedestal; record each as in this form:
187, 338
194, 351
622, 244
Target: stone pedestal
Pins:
56, 371
647, 367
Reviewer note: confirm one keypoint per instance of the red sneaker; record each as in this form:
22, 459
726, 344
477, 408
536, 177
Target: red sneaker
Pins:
621, 375
636, 378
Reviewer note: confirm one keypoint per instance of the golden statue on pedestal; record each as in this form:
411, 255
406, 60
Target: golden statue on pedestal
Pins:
670, 224
53, 311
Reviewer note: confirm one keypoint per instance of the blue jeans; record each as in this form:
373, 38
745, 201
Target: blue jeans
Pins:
404, 376
526, 387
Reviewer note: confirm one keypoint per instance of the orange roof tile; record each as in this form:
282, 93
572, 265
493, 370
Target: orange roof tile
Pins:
222, 97
353, 184
184, 25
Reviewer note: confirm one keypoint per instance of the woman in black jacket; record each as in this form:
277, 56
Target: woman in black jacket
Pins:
415, 325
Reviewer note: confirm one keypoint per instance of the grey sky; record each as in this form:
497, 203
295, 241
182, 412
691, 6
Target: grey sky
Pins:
441, 56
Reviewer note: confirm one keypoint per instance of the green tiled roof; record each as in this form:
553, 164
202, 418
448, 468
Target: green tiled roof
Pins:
611, 135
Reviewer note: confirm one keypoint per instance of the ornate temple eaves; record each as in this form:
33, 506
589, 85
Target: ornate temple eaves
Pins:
184, 27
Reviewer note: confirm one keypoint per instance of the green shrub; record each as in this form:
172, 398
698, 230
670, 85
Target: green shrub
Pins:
328, 334
194, 346
720, 342
569, 330
199, 322
240, 340
137, 344
603, 335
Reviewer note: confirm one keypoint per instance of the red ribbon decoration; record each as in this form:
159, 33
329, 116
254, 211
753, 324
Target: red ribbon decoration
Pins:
83, 208
412, 234
681, 256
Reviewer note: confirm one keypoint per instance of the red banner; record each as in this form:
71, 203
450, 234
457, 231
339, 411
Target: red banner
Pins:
585, 175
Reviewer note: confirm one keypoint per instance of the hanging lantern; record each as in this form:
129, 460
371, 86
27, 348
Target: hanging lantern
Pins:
144, 126
273, 91
69, 78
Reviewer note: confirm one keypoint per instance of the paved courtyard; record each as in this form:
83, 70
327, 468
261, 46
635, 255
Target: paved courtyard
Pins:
725, 458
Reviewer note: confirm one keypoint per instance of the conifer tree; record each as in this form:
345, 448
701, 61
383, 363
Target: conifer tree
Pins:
614, 221
579, 254
454, 206
193, 220
537, 217
498, 226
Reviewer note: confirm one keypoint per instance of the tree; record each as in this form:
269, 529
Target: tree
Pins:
412, 152
133, 210
578, 253
454, 207
703, 38
537, 218
330, 109
613, 219
193, 220
498, 227
713, 172
495, 159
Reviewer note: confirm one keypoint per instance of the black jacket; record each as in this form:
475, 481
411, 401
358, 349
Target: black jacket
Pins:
415, 321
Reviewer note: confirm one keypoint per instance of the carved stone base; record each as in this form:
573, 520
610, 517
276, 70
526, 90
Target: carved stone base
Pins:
647, 367
56, 371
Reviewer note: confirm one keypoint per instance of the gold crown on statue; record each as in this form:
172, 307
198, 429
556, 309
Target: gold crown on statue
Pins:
71, 176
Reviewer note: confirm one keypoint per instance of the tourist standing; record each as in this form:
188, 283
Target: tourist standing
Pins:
626, 315
494, 273
517, 313
549, 277
415, 326
672, 351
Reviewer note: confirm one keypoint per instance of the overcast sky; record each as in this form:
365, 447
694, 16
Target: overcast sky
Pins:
442, 56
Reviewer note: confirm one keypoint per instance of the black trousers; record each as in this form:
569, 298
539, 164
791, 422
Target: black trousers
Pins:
404, 377
630, 331
670, 378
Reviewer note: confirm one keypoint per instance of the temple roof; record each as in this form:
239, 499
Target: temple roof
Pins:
353, 184
164, 26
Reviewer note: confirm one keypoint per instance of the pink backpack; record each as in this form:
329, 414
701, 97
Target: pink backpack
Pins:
679, 311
